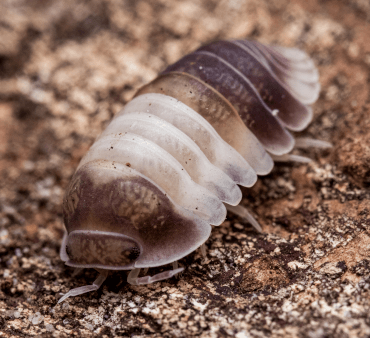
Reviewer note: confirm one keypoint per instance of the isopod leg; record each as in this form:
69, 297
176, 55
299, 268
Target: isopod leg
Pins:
175, 266
87, 288
63, 252
203, 250
306, 142
244, 213
291, 158
302, 143
77, 271
133, 279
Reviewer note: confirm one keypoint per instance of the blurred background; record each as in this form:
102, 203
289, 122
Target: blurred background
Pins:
66, 67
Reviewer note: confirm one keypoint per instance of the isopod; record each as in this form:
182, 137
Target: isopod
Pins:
169, 164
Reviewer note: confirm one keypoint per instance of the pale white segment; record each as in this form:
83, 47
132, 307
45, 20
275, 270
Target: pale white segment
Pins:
218, 152
300, 75
162, 168
183, 149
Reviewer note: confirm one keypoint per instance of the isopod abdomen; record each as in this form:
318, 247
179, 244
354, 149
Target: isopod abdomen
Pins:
169, 164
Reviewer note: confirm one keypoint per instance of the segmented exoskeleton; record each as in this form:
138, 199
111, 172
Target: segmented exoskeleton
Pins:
169, 164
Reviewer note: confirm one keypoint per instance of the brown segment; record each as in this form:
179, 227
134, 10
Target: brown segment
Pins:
291, 111
206, 101
238, 90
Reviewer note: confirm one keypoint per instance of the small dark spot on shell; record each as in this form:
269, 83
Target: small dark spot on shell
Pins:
128, 164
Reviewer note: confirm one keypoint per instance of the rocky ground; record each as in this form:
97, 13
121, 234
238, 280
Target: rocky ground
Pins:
66, 67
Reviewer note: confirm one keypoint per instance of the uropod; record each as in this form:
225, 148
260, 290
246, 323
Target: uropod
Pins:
169, 164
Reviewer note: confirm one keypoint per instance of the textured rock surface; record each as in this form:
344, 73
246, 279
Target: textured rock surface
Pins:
67, 66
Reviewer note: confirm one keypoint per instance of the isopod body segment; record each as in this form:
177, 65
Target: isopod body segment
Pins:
162, 172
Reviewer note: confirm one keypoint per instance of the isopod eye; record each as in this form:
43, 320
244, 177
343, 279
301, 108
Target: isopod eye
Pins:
101, 249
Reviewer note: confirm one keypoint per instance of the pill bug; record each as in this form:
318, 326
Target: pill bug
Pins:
169, 164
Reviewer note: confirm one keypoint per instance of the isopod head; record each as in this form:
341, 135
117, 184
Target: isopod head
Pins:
118, 219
